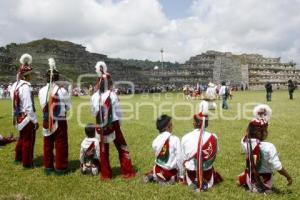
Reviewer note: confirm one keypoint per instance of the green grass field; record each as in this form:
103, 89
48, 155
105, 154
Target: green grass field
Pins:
284, 132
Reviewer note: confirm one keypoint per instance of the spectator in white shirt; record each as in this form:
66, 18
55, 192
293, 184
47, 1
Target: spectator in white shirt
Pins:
224, 93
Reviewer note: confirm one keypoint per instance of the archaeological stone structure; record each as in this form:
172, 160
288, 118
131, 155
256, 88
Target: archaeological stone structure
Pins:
250, 70
262, 70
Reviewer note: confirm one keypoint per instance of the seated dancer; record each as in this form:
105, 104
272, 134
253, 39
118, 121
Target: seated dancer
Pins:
168, 165
199, 150
90, 152
7, 140
261, 157
106, 109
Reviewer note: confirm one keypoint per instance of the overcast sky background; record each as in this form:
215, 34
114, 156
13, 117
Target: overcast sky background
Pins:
140, 28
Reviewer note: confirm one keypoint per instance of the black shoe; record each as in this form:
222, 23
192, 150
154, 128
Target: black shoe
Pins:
48, 171
148, 178
61, 172
17, 162
28, 167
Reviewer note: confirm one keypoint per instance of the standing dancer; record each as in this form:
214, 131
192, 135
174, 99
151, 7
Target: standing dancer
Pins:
261, 157
106, 109
199, 151
55, 102
24, 117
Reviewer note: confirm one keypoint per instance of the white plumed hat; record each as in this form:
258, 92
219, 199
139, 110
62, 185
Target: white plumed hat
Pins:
51, 63
100, 68
26, 59
262, 114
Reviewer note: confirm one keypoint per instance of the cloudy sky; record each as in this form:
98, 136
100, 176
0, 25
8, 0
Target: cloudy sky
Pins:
140, 28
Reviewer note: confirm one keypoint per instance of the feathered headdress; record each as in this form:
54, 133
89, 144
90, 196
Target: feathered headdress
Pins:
101, 68
262, 114
26, 59
51, 63
25, 68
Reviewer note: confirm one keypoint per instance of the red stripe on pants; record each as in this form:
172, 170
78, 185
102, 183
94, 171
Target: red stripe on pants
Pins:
25, 145
60, 139
125, 161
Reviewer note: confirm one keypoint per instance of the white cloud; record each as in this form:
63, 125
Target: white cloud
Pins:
139, 28
270, 27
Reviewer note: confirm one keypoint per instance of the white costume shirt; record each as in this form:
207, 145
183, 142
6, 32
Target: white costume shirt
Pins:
1, 92
64, 101
85, 145
174, 161
270, 160
189, 146
222, 90
116, 110
26, 104
64, 97
211, 93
